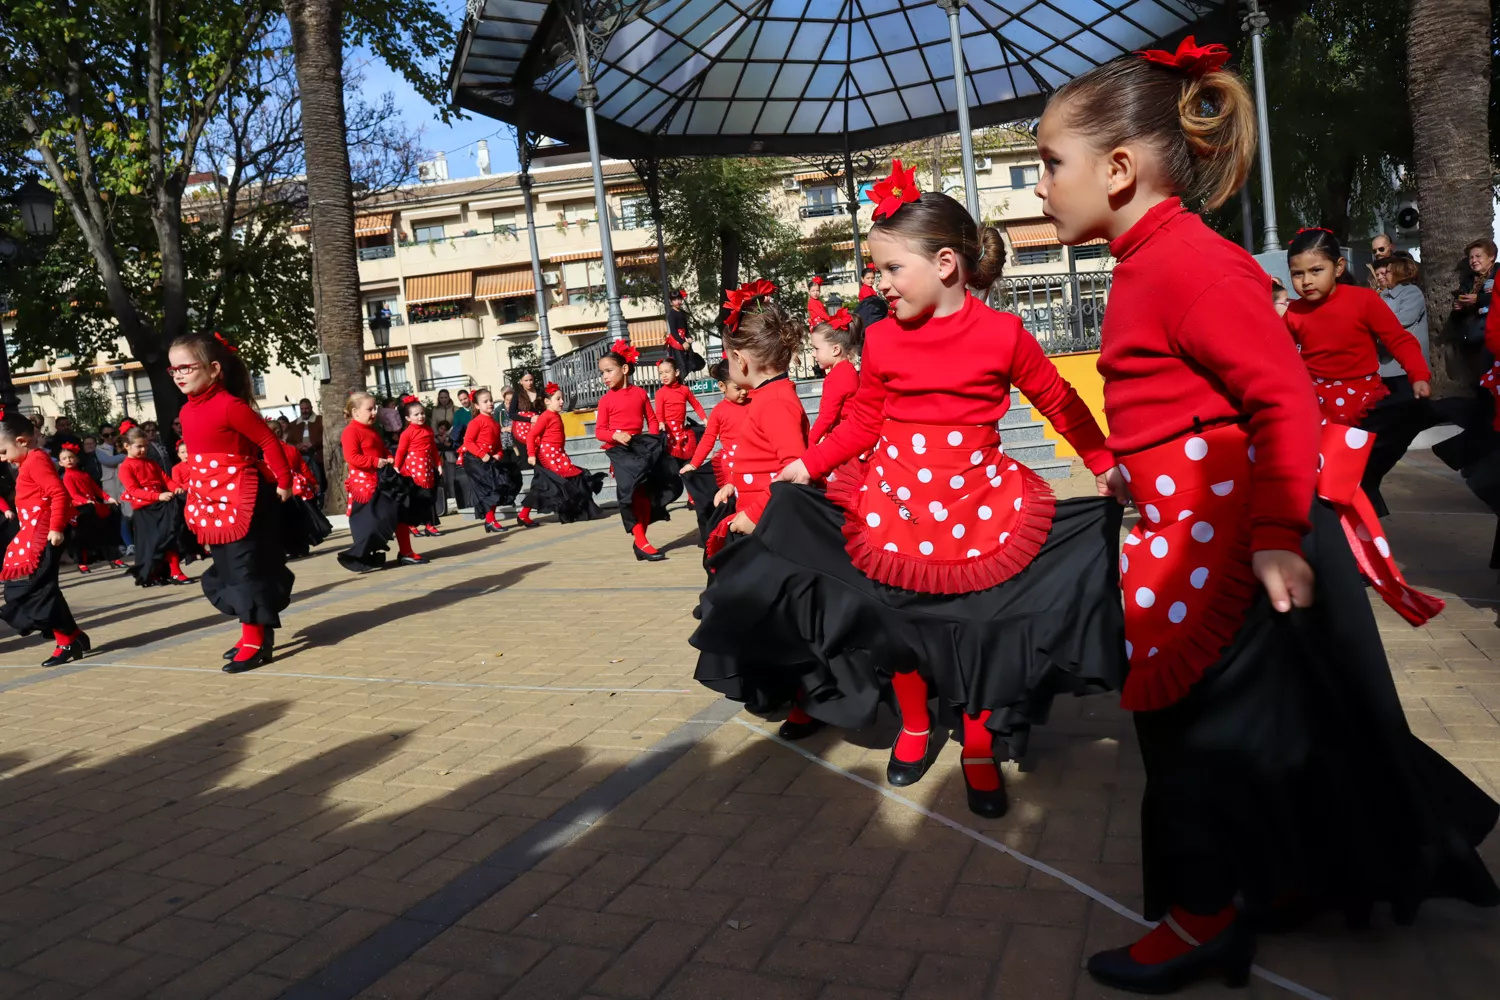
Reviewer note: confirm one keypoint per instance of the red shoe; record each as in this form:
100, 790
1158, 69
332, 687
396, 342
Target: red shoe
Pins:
182, 578
82, 568
432, 531
117, 563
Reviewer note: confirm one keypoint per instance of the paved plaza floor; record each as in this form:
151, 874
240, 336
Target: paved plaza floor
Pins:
494, 776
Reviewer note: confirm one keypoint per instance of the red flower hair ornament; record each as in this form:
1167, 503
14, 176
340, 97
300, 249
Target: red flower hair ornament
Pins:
627, 353
227, 345
1190, 57
552, 388
408, 399
818, 314
896, 190
742, 296
70, 446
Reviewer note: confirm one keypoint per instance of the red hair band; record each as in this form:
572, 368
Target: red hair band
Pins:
70, 446
552, 387
627, 353
1311, 229
817, 279
220, 338
738, 299
894, 191
409, 398
1190, 57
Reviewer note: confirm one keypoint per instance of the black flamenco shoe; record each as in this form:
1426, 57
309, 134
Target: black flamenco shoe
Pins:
259, 658
67, 654
908, 772
412, 560
1228, 955
643, 556
990, 804
799, 730
495, 529
229, 653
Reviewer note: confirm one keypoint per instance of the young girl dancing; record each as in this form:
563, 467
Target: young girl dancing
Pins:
305, 527
836, 340
557, 485
724, 424
672, 402
96, 525
646, 478
417, 460
910, 571
374, 500
236, 476
33, 600
1337, 327
159, 522
1279, 765
494, 481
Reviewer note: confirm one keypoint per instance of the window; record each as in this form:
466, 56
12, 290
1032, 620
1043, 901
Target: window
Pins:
375, 378
373, 307
428, 234
1025, 177
258, 383
1096, 252
503, 222
578, 277
635, 212
515, 310
1039, 255
822, 200
580, 211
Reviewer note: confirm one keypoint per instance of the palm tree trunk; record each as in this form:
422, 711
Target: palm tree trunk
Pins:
318, 42
1448, 72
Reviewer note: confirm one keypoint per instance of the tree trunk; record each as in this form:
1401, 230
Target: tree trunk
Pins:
1448, 72
318, 42
729, 268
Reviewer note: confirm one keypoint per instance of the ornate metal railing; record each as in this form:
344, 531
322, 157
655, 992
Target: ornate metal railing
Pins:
446, 382
1063, 311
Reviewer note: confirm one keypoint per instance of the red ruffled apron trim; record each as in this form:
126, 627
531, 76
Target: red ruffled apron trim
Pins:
303, 487
1342, 457
1491, 381
717, 539
220, 496
419, 470
1185, 568
973, 517
24, 553
1347, 400
359, 487
681, 441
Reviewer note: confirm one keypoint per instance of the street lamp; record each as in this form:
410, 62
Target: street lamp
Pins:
122, 387
38, 208
380, 329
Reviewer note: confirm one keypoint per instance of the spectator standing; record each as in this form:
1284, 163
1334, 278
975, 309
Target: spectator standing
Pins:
1398, 418
461, 417
110, 453
1382, 247
1471, 306
63, 434
442, 412
306, 434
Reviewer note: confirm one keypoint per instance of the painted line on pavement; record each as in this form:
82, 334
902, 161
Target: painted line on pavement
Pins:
359, 967
1041, 866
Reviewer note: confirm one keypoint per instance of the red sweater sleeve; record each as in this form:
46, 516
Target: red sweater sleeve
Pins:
1492, 331
51, 485
1402, 345
651, 422
785, 430
1037, 377
842, 382
1260, 367
246, 422
604, 428
403, 444
710, 437
859, 428
471, 439
661, 404
135, 489
357, 451
693, 402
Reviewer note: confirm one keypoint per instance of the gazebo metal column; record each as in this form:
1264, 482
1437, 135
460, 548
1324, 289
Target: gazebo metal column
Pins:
961, 99
1255, 23
851, 187
549, 355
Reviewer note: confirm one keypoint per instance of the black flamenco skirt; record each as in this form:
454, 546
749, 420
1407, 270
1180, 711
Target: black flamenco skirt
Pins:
492, 484
420, 508
157, 530
249, 579
786, 611
644, 467
702, 486
303, 527
1289, 772
36, 603
94, 538
571, 498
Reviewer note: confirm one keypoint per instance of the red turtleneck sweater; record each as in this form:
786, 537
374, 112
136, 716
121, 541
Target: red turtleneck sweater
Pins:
142, 482
37, 482
363, 447
625, 409
1337, 335
416, 450
672, 402
1190, 333
839, 387
955, 370
482, 436
724, 425
220, 423
773, 436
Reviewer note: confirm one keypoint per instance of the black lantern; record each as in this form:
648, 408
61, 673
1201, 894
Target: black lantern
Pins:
38, 208
121, 382
380, 329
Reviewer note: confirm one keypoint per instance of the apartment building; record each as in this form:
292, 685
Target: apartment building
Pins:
448, 261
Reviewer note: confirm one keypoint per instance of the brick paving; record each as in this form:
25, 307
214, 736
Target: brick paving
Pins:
494, 777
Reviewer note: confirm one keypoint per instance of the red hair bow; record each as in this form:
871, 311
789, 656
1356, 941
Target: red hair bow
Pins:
409, 398
625, 351
70, 446
896, 190
742, 296
841, 319
552, 387
1190, 57
220, 338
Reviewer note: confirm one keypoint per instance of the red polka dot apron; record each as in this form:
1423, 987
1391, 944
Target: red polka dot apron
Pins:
940, 509
1185, 567
1491, 381
221, 493
303, 487
556, 460
359, 487
1347, 400
1342, 457
419, 469
681, 441
24, 553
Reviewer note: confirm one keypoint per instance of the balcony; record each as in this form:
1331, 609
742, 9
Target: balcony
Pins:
377, 253
445, 331
396, 391
524, 327
820, 211
447, 382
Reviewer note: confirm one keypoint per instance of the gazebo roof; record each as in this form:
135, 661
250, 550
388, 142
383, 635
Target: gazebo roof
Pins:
723, 77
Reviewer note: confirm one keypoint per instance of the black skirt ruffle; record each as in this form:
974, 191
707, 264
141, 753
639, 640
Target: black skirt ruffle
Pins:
157, 530
1289, 771
702, 486
790, 593
643, 466
571, 498
492, 484
36, 603
93, 538
304, 527
249, 579
420, 506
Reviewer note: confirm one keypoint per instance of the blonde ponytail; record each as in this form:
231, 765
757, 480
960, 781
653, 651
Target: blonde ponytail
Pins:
1217, 117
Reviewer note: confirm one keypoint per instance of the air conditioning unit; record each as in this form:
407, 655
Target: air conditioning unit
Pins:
549, 278
1408, 217
41, 389
983, 163
790, 184
320, 368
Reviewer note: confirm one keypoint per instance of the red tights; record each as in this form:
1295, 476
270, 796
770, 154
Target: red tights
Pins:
1162, 943
916, 727
640, 505
252, 637
174, 564
403, 539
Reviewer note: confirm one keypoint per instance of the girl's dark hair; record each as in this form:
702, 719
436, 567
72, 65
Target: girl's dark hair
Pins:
274, 428
208, 348
850, 339
15, 425
1202, 127
669, 360
1318, 241
934, 222
619, 359
719, 370
1277, 288
770, 336
137, 436
417, 403
474, 396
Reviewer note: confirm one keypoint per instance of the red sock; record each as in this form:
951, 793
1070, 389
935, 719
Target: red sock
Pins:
403, 539
979, 754
798, 717
911, 698
639, 531
63, 638
174, 563
524, 514
432, 529
1163, 944
251, 638
489, 516
83, 557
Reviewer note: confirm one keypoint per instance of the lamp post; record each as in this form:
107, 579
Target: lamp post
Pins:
380, 329
1256, 21
38, 207
961, 102
122, 387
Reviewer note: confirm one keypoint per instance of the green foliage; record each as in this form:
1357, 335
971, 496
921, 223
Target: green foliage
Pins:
92, 405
